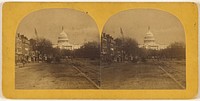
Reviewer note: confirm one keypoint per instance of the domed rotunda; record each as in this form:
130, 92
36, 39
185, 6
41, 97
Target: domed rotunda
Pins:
63, 41
150, 43
149, 38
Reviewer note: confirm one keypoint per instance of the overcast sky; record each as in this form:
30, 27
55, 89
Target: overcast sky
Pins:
165, 27
79, 26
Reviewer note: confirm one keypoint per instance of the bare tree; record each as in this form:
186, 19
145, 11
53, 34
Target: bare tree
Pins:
89, 50
44, 46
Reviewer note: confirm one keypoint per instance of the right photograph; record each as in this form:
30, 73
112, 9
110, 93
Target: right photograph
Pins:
143, 49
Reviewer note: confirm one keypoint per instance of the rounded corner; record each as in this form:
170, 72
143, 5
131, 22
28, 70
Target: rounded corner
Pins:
6, 95
194, 95
4, 4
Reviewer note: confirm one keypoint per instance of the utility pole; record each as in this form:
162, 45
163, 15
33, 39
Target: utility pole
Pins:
62, 28
121, 31
36, 51
36, 33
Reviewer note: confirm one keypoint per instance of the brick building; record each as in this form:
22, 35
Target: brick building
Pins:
22, 48
107, 48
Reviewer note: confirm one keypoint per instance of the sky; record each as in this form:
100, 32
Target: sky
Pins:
165, 27
79, 26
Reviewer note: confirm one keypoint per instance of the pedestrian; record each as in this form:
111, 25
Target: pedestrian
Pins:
23, 62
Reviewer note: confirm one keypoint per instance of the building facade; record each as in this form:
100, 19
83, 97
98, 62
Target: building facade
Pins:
34, 53
150, 43
18, 48
107, 48
22, 48
63, 42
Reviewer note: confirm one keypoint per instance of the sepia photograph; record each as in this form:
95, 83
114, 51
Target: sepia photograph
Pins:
93, 50
143, 49
57, 49
137, 49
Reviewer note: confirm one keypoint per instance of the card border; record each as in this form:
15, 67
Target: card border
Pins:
14, 12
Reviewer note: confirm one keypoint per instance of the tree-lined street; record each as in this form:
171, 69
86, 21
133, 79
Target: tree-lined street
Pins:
63, 75
50, 76
143, 76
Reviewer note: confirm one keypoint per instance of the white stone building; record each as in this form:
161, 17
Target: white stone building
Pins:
63, 42
150, 43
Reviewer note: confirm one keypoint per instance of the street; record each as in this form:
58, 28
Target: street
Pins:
50, 76
142, 76
85, 74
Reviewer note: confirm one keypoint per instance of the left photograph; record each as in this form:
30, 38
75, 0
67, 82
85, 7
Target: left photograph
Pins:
57, 49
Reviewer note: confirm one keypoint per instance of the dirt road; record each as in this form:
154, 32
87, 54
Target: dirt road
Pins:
113, 76
50, 76
137, 76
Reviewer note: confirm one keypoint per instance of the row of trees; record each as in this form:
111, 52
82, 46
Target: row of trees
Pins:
129, 47
126, 47
88, 50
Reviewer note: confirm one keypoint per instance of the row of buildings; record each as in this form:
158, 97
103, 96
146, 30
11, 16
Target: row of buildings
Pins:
108, 48
24, 51
111, 52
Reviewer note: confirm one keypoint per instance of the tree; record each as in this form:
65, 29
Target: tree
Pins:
44, 46
176, 50
130, 47
89, 50
127, 48
33, 43
118, 43
65, 52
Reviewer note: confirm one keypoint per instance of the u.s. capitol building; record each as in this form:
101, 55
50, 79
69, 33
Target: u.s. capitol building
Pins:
150, 43
63, 42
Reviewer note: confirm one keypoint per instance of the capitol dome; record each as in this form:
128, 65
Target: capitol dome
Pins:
63, 34
63, 41
149, 42
149, 34
149, 38
63, 37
